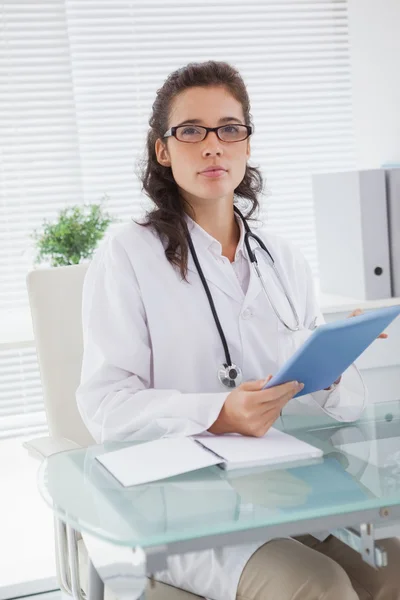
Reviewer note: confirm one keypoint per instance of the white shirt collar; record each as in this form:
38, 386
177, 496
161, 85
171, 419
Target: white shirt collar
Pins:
202, 239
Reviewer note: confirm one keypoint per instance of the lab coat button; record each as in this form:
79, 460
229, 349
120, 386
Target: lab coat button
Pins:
247, 313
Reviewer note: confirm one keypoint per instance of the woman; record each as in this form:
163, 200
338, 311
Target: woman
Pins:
174, 318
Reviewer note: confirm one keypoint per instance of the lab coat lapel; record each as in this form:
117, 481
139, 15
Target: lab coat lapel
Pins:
217, 274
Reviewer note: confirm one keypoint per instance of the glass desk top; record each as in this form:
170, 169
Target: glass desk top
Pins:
360, 470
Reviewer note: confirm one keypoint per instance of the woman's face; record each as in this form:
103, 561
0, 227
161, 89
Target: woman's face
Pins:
210, 107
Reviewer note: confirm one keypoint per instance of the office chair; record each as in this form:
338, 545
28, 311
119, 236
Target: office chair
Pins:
55, 298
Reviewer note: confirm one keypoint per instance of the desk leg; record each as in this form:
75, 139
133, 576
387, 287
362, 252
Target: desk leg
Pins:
96, 585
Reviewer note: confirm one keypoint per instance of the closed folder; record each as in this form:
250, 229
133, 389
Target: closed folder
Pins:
352, 233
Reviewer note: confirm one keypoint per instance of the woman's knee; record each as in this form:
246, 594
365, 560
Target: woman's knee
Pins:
287, 570
332, 583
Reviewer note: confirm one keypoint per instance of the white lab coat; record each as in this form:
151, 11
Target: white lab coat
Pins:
152, 350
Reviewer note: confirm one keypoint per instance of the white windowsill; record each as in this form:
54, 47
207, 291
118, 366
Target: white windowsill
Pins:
16, 326
330, 303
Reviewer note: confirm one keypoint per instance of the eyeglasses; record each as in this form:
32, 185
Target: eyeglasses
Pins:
197, 133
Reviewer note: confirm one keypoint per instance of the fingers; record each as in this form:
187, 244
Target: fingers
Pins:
268, 419
277, 403
254, 386
356, 313
266, 405
278, 392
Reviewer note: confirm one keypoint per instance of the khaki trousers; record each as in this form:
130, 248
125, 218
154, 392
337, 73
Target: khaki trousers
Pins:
307, 569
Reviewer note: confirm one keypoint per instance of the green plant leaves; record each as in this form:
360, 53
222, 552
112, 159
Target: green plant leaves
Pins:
73, 237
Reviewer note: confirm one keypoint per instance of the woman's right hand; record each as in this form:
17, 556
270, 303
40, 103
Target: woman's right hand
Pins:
250, 410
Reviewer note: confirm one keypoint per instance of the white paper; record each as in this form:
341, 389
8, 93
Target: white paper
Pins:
274, 447
156, 460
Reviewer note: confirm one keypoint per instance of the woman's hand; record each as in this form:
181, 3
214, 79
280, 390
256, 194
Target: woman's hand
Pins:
250, 410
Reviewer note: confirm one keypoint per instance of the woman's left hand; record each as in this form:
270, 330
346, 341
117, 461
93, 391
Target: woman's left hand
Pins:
356, 313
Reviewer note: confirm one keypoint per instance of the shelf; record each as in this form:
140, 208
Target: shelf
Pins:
336, 304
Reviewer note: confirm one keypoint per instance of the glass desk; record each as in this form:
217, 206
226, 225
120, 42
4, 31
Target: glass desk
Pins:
354, 491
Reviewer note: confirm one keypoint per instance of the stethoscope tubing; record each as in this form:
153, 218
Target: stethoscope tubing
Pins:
253, 259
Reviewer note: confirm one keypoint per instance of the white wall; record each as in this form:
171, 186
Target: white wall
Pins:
374, 27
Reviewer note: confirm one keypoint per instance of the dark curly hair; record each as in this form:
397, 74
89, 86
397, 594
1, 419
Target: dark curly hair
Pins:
167, 218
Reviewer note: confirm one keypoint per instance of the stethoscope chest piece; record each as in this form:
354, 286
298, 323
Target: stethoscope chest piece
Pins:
230, 375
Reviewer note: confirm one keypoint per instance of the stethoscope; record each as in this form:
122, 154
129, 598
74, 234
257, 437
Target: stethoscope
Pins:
230, 374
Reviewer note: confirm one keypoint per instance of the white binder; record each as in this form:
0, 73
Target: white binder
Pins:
393, 203
352, 234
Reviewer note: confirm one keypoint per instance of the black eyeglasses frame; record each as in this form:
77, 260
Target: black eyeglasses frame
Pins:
172, 132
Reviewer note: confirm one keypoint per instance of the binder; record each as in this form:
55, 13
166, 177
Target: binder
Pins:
393, 207
352, 233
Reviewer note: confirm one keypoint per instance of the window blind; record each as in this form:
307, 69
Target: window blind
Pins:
294, 58
78, 78
39, 150
21, 401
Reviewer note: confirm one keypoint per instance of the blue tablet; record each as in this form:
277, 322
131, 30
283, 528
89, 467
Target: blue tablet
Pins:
331, 349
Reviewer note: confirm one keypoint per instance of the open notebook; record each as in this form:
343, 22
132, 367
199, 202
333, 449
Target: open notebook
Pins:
152, 461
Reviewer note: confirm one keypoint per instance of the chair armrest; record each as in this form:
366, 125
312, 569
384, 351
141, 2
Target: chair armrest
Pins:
44, 447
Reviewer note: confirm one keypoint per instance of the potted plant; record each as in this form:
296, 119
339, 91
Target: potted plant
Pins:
73, 237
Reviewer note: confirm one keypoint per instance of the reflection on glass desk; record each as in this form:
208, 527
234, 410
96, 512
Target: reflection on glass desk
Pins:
360, 472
